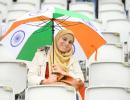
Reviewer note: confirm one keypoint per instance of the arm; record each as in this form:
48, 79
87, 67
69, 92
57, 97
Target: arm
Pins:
76, 72
73, 77
75, 69
36, 70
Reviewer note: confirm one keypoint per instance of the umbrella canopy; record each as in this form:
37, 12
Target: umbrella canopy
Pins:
36, 29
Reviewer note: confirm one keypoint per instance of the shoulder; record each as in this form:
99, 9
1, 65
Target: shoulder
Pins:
42, 52
73, 59
40, 56
45, 49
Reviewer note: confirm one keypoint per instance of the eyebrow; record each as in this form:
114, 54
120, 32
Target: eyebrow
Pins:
69, 40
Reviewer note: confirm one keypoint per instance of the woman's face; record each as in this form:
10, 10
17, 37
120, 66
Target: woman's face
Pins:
65, 43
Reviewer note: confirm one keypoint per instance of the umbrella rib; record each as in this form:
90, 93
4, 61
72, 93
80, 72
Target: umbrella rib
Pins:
38, 24
48, 27
43, 22
63, 20
58, 25
66, 25
57, 28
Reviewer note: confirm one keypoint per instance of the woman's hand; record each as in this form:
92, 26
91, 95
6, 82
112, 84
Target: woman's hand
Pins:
77, 84
52, 79
58, 69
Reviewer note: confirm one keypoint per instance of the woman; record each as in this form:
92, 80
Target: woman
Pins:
61, 62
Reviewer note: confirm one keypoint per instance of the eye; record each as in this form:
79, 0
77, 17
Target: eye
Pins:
70, 42
64, 38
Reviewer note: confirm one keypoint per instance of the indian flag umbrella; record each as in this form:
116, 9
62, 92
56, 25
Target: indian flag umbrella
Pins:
37, 28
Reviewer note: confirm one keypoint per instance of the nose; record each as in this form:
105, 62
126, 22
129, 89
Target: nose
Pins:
67, 43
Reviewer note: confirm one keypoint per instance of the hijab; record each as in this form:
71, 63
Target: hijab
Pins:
60, 58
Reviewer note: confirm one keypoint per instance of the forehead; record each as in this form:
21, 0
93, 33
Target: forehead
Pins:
68, 35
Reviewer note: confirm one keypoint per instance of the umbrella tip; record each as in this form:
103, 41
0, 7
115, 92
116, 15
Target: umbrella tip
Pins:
95, 52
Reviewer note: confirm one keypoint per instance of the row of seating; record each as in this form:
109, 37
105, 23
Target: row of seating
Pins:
66, 93
104, 79
21, 7
109, 75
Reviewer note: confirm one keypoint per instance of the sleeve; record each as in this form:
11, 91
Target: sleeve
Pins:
75, 69
36, 70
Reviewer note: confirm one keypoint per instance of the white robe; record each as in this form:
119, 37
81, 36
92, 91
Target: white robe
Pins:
37, 68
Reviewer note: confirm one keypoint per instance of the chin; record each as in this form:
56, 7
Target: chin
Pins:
63, 51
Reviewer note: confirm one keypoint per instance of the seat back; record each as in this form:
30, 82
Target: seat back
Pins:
107, 93
13, 74
111, 14
119, 25
111, 37
109, 74
108, 53
5, 55
111, 6
6, 93
50, 92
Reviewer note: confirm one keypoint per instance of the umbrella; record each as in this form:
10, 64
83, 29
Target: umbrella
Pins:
37, 28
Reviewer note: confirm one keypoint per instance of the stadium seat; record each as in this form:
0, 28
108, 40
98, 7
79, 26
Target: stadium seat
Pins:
36, 3
18, 9
111, 6
111, 37
127, 4
3, 9
23, 6
50, 92
104, 16
6, 93
109, 74
109, 53
107, 93
121, 26
84, 8
108, 1
43, 5
61, 3
13, 15
98, 24
13, 74
5, 55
